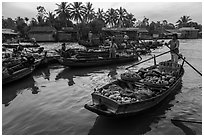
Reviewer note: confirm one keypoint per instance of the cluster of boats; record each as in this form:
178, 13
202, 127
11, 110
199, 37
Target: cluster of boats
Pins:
132, 93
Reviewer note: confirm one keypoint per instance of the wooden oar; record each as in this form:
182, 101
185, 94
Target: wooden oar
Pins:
189, 121
185, 61
147, 60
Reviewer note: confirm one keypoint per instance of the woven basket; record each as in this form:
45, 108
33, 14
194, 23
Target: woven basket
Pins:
169, 67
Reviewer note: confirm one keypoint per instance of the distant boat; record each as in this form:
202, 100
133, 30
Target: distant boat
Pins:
23, 44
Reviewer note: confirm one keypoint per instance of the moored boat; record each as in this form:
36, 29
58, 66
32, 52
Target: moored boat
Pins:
8, 78
99, 61
24, 45
136, 92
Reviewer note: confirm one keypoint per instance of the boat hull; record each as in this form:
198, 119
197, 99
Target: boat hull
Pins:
18, 75
111, 108
95, 62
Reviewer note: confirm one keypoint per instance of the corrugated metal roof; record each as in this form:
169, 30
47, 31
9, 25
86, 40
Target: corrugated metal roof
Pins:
42, 29
120, 29
188, 28
69, 29
9, 32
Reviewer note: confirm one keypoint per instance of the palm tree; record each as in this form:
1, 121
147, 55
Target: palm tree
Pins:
183, 21
88, 12
77, 11
129, 20
33, 22
111, 17
100, 14
26, 19
121, 12
63, 12
165, 22
50, 19
144, 23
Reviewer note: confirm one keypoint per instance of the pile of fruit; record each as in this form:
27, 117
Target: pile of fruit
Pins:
151, 77
126, 95
138, 86
130, 76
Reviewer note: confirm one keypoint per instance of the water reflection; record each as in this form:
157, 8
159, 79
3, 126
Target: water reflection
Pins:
9, 93
43, 72
135, 125
70, 74
184, 128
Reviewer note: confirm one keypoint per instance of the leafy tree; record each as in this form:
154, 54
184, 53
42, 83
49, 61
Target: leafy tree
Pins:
88, 12
111, 17
63, 13
144, 23
121, 16
100, 14
41, 15
183, 21
77, 11
21, 26
129, 20
26, 19
96, 26
50, 19
8, 23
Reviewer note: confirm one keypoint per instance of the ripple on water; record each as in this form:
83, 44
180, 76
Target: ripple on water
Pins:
51, 100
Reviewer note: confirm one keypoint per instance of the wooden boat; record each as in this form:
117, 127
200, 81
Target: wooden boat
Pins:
17, 75
24, 45
100, 61
92, 53
143, 97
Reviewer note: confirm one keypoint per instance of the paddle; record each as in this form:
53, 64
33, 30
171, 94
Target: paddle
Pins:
147, 59
185, 60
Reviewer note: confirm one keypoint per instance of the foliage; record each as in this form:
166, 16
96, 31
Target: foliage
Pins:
86, 19
77, 11
183, 21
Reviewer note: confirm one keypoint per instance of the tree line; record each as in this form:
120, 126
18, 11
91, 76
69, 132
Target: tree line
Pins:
84, 18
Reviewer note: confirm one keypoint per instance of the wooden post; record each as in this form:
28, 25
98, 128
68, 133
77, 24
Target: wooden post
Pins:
155, 63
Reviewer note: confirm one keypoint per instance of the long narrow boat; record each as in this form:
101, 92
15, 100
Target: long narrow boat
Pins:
17, 75
125, 97
100, 61
24, 45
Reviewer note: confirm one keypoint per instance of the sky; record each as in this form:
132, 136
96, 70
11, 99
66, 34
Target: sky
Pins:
155, 11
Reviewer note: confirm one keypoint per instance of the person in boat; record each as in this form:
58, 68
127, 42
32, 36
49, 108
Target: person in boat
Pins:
65, 53
63, 49
33, 41
90, 36
19, 47
113, 48
174, 47
155, 43
126, 38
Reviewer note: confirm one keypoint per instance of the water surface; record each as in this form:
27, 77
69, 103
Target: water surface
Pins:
51, 100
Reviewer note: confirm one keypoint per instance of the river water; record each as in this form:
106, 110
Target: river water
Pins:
51, 101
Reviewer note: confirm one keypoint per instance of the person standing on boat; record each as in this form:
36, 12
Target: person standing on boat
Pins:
126, 38
90, 35
113, 47
174, 47
63, 49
